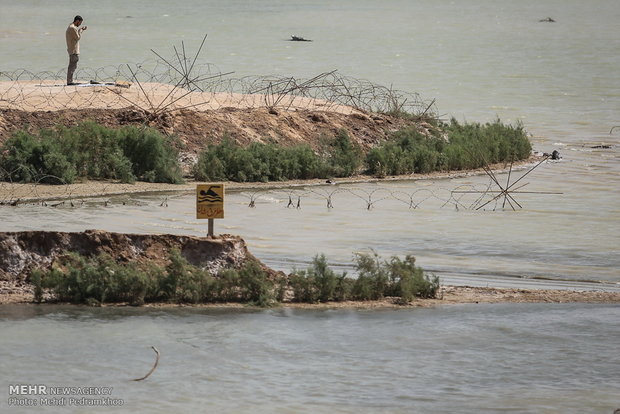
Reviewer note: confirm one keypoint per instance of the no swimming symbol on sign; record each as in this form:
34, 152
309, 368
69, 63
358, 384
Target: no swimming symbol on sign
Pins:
210, 201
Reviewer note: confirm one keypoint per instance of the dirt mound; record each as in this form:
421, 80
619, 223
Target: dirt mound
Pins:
197, 129
21, 252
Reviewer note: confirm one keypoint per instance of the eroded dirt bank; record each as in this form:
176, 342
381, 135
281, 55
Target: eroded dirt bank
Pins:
21, 252
197, 129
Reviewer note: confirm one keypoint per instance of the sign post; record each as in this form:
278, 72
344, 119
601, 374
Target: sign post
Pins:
210, 203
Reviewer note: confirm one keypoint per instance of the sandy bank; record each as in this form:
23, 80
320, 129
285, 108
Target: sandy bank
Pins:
53, 95
450, 295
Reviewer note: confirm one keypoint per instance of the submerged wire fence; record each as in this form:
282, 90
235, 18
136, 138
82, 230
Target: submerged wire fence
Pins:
335, 196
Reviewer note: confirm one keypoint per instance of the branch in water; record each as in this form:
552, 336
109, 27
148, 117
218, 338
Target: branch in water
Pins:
152, 369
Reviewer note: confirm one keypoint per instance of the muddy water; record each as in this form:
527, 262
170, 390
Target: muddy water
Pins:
526, 358
480, 59
492, 245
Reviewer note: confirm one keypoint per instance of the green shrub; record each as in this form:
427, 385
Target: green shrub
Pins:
471, 144
100, 279
36, 280
271, 162
318, 283
258, 162
184, 282
372, 280
254, 285
93, 150
153, 157
396, 277
90, 151
376, 279
466, 146
408, 281
343, 155
226, 286
30, 159
303, 288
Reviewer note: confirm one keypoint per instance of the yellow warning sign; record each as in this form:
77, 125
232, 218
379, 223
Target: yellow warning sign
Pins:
209, 201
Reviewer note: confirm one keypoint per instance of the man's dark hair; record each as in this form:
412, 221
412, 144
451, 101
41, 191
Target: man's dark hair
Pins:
78, 17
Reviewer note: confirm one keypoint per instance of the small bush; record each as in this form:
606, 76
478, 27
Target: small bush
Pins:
254, 286
100, 279
258, 162
372, 280
302, 287
318, 283
343, 156
184, 282
376, 279
396, 277
30, 159
93, 150
408, 281
471, 145
90, 151
153, 157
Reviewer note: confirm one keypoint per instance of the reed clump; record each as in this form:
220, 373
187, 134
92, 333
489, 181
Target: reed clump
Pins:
101, 279
451, 146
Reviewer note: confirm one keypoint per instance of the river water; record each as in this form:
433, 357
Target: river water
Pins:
480, 60
525, 358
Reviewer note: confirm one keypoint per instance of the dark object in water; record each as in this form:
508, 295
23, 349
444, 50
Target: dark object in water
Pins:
601, 147
299, 39
555, 155
547, 20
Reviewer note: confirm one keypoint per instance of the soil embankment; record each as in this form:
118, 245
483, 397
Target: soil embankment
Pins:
198, 119
196, 129
21, 252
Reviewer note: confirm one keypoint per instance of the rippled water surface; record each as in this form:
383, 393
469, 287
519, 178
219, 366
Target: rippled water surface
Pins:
540, 358
479, 59
461, 246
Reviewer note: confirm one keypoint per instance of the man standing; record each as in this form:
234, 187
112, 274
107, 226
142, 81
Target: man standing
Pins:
73, 35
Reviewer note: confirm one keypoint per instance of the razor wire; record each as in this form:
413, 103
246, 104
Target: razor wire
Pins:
156, 86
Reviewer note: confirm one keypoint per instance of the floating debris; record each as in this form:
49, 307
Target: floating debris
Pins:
299, 39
